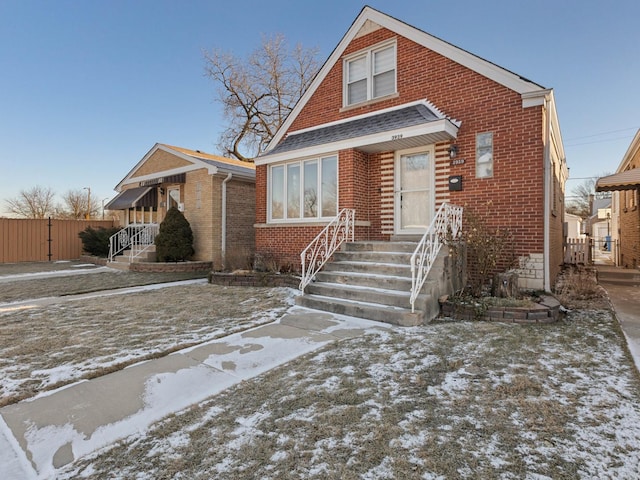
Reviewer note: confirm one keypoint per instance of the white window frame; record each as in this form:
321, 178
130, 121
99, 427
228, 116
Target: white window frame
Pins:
301, 164
368, 56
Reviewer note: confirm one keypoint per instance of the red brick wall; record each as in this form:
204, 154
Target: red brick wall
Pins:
516, 190
284, 244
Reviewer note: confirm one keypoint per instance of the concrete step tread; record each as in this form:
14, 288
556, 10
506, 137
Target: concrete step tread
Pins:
344, 301
364, 275
364, 262
386, 291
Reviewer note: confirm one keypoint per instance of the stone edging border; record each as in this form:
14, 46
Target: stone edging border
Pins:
155, 267
547, 311
253, 279
159, 267
95, 260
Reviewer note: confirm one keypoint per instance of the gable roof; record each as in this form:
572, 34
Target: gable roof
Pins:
525, 87
196, 159
210, 158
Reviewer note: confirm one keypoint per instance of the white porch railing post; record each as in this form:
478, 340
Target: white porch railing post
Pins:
447, 221
321, 248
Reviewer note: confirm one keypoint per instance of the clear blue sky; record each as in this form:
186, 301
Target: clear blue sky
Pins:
87, 87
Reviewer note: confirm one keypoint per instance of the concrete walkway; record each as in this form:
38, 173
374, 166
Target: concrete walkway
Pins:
623, 287
40, 435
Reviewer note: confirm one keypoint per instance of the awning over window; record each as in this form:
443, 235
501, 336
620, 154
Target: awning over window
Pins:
177, 178
628, 180
133, 197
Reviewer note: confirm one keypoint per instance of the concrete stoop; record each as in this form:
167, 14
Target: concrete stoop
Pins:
122, 261
373, 280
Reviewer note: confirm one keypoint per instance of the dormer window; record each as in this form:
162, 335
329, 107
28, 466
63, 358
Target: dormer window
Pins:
370, 74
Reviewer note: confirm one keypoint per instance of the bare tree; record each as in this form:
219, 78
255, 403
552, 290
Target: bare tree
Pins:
259, 93
36, 202
580, 200
75, 205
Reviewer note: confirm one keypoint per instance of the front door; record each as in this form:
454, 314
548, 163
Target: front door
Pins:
414, 190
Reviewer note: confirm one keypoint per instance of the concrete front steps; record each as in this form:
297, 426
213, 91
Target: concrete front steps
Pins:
373, 280
618, 276
122, 260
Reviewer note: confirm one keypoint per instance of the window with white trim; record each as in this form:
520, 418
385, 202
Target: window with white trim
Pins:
370, 75
306, 189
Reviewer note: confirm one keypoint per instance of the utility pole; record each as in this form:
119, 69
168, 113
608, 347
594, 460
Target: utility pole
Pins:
88, 214
103, 206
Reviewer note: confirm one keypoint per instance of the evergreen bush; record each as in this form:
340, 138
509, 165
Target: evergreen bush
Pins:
174, 242
95, 241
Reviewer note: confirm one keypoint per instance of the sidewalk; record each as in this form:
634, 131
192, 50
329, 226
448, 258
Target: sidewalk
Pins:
43, 434
623, 287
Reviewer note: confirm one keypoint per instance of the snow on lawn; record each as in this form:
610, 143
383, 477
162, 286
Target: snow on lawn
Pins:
51, 345
448, 400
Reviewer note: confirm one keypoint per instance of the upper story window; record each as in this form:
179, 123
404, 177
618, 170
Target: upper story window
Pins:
370, 75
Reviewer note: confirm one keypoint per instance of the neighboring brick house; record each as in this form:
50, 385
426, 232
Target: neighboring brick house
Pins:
216, 195
398, 121
625, 208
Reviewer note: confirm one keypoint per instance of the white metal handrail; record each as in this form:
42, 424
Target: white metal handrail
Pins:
122, 239
321, 248
447, 224
143, 240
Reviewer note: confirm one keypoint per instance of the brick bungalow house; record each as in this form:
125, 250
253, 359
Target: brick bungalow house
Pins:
216, 195
397, 122
625, 209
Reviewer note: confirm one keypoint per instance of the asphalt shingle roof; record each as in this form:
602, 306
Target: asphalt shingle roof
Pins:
401, 118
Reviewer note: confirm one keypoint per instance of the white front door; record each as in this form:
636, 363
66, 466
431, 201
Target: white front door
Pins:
414, 190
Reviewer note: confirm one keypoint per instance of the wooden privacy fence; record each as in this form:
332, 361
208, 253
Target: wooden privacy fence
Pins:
577, 251
27, 240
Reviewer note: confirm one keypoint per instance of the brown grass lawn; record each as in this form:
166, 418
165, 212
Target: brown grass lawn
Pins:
48, 346
443, 401
448, 400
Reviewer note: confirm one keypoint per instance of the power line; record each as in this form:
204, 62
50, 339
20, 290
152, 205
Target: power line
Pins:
603, 133
600, 141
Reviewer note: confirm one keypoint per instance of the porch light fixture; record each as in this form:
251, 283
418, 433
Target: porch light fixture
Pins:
453, 151
161, 191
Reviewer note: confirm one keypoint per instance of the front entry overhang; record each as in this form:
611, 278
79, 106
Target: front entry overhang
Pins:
398, 129
132, 198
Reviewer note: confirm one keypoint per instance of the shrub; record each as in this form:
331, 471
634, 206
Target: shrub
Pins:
238, 258
95, 241
489, 248
174, 242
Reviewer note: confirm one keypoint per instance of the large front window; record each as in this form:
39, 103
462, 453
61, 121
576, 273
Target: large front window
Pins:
370, 75
304, 190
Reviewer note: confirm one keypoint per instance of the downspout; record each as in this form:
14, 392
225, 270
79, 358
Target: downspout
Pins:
223, 228
547, 195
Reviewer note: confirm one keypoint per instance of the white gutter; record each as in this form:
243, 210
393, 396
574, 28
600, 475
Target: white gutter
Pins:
547, 194
223, 229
